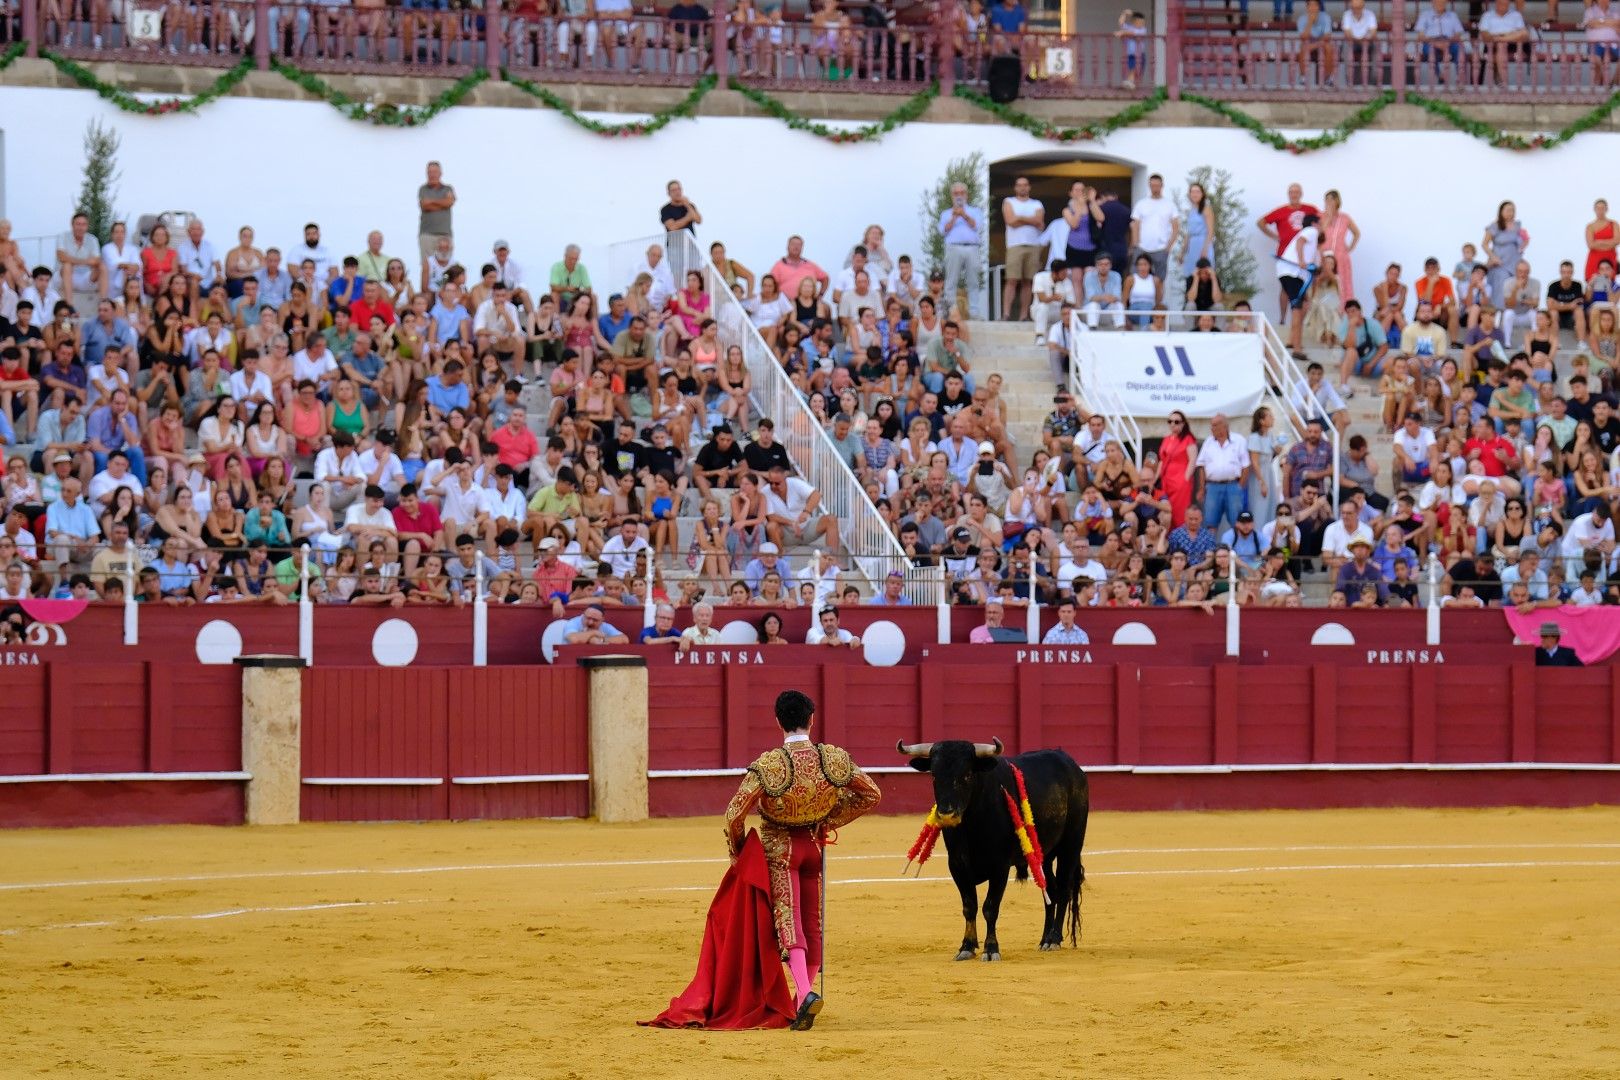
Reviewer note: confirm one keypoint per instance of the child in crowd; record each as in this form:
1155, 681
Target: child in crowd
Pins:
1133, 32
1465, 266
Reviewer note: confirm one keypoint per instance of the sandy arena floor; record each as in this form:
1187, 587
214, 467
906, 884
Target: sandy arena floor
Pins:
1335, 944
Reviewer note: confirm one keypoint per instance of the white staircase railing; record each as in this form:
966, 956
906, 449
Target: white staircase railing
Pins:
1289, 392
873, 548
1096, 393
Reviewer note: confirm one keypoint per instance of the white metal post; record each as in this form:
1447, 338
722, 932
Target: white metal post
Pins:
306, 613
480, 650
1233, 629
649, 610
1432, 637
943, 610
132, 610
1032, 629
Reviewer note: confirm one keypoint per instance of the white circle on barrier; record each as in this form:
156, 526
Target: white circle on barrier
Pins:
394, 643
218, 642
1333, 633
552, 637
1135, 633
739, 632
884, 643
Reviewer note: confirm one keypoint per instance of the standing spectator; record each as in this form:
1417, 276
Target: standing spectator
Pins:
677, 216
1225, 461
1176, 465
1340, 236
1506, 238
78, 254
1265, 445
434, 199
1199, 228
1024, 218
1281, 225
1295, 270
1154, 227
962, 227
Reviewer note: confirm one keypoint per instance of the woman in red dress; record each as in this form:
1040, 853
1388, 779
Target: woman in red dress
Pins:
1176, 456
1601, 238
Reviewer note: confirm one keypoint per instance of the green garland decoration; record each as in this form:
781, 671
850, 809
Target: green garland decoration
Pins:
685, 108
385, 115
913, 108
1277, 141
131, 104
388, 115
1507, 140
1045, 129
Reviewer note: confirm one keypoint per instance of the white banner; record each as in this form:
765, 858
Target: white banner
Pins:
1200, 374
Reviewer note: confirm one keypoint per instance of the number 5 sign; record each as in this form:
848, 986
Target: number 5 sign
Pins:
145, 26
1059, 62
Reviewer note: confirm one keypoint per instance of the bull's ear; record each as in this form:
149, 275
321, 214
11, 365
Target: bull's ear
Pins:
921, 764
984, 764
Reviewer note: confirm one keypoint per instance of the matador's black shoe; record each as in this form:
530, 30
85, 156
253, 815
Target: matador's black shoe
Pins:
807, 1013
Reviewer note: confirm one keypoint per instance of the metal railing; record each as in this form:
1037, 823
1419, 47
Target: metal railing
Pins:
863, 533
1095, 392
1212, 46
1289, 391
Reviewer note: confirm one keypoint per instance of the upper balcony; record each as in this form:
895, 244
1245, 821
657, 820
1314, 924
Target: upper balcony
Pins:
1231, 49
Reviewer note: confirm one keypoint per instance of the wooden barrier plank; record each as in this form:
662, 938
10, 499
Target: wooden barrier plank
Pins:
59, 718
1128, 714
1422, 704
1324, 712
832, 712
1031, 709
734, 708
1225, 694
931, 695
1522, 698
159, 716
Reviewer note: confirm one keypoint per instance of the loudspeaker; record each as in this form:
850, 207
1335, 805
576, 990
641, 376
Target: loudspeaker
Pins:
1006, 72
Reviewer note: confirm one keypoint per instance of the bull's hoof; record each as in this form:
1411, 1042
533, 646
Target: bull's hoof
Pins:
965, 954
1047, 946
990, 956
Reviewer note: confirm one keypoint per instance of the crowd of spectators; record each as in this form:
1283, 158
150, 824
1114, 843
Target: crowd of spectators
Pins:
422, 427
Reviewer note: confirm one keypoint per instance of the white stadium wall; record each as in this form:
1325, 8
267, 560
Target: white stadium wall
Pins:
535, 179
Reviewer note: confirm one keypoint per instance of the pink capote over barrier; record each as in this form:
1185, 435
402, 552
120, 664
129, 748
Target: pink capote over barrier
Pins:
1593, 632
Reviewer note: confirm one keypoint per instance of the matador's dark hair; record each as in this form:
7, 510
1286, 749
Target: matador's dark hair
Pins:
794, 710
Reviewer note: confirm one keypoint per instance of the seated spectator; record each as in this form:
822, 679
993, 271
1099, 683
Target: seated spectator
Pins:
993, 630
827, 632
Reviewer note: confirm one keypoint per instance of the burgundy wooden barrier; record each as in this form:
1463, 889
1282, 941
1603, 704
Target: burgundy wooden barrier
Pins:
125, 719
435, 738
1117, 718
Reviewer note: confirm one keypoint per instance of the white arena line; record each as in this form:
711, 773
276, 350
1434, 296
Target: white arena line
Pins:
205, 916
1295, 869
15, 886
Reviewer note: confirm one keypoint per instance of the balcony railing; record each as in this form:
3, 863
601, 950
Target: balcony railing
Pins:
1219, 47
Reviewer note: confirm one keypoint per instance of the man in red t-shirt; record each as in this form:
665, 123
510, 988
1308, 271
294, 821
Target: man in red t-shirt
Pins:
516, 445
556, 577
371, 302
1493, 451
1282, 225
418, 526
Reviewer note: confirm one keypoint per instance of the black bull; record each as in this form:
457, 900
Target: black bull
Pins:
969, 779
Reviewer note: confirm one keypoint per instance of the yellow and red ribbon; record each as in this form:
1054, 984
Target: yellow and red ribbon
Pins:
924, 844
1023, 819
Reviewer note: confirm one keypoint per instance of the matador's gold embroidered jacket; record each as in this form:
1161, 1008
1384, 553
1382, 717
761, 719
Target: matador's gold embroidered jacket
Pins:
801, 785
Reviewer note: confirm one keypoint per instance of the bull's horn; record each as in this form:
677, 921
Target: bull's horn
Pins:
989, 749
922, 749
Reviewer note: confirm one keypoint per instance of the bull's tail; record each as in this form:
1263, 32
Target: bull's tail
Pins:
1077, 881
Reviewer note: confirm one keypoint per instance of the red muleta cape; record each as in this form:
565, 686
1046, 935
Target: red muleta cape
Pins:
739, 982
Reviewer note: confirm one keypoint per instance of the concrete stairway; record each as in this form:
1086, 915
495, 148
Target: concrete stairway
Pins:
1010, 350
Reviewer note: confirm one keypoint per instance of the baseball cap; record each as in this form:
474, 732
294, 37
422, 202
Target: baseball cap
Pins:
549, 544
1246, 516
502, 245
987, 447
901, 574
59, 458
769, 548
961, 534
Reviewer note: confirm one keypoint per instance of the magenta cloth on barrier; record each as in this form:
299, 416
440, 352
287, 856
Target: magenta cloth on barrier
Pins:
1593, 632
